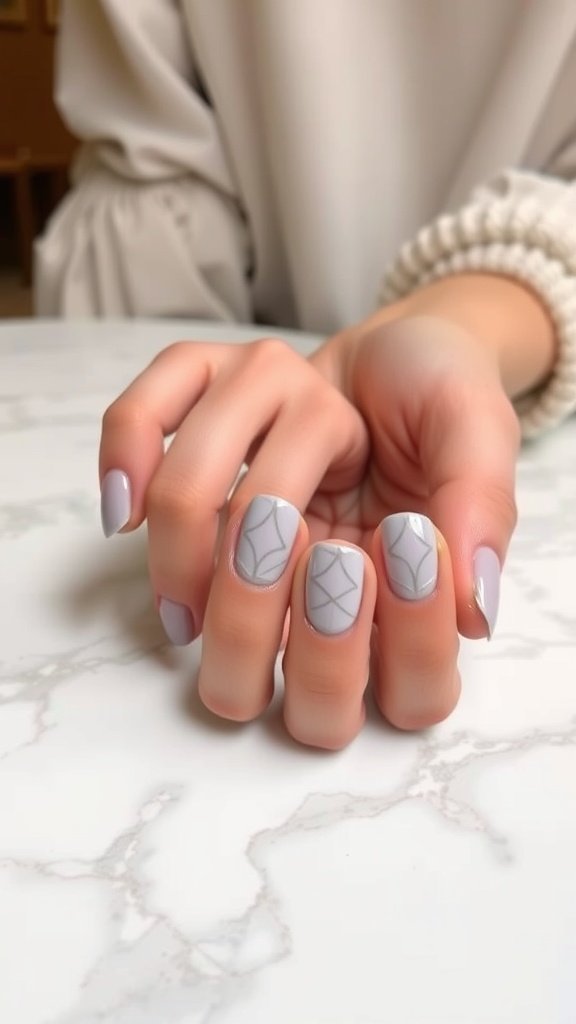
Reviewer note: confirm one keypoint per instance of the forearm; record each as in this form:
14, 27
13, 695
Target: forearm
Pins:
500, 312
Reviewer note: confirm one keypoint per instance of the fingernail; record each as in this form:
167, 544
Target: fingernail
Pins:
177, 621
266, 539
487, 572
334, 581
115, 501
411, 555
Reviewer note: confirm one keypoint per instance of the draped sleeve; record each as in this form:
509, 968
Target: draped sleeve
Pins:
153, 224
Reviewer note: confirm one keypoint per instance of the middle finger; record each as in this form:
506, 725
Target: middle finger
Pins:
326, 659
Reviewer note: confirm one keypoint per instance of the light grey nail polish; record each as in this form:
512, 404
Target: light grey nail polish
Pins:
177, 621
115, 501
266, 539
487, 570
334, 582
411, 555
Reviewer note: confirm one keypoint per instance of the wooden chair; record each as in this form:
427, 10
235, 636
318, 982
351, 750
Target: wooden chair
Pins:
15, 164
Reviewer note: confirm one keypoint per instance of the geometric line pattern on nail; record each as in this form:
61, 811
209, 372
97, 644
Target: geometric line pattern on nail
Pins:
334, 587
411, 554
266, 539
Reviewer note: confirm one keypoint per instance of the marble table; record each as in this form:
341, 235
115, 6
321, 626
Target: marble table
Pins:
158, 866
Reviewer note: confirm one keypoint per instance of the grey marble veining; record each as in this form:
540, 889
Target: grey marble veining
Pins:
160, 867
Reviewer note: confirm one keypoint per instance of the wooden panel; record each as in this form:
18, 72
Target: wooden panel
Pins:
28, 116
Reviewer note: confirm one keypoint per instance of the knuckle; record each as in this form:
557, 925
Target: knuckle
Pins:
232, 629
427, 661
326, 404
123, 414
510, 420
501, 500
267, 353
327, 681
321, 408
175, 350
178, 348
171, 499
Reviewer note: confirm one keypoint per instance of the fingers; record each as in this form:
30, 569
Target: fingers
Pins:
215, 395
331, 601
330, 590
306, 429
317, 437
416, 680
470, 459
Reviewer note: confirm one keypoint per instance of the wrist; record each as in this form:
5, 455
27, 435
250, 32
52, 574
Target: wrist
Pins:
501, 312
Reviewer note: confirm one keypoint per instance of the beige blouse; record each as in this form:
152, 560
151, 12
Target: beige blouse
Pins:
296, 162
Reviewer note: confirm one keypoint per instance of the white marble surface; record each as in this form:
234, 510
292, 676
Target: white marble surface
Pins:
160, 867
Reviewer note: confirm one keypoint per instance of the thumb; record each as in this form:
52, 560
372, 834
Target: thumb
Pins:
470, 461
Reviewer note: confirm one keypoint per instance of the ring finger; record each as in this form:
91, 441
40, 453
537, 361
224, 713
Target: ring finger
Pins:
327, 655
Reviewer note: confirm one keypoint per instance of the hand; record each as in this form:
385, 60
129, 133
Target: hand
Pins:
263, 404
441, 443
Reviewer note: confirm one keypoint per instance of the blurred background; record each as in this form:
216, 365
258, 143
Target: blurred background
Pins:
35, 147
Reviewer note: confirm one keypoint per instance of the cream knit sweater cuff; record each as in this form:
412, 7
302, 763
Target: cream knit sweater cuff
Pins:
523, 225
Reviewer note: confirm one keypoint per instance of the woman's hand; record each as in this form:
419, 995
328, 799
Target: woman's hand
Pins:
395, 425
262, 404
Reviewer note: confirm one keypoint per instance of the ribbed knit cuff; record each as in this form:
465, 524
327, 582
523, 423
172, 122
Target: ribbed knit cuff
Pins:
524, 226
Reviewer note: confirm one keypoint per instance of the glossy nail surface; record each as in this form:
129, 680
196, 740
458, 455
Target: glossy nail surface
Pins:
334, 582
266, 539
487, 572
411, 555
115, 501
177, 621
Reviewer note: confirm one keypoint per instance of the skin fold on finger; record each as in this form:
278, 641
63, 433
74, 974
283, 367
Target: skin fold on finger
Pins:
244, 620
326, 672
416, 683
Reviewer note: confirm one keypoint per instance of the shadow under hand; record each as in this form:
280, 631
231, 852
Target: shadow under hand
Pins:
108, 582
111, 585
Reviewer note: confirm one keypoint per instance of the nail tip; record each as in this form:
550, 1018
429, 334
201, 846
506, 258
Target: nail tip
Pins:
487, 570
107, 529
490, 623
177, 622
110, 529
115, 502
